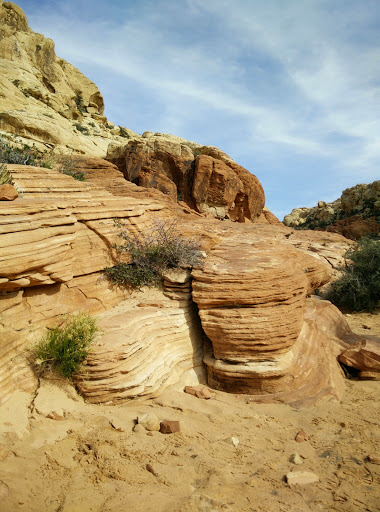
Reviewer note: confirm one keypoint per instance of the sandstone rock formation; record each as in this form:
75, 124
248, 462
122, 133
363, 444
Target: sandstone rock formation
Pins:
44, 98
55, 242
145, 347
203, 177
355, 214
8, 193
365, 357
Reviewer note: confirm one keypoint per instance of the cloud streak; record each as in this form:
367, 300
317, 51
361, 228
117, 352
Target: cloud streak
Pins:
290, 89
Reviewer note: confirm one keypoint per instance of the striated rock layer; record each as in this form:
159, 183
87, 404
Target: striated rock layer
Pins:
251, 292
145, 347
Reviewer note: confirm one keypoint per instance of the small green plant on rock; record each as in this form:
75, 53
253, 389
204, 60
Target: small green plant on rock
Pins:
82, 129
151, 254
5, 176
359, 288
65, 348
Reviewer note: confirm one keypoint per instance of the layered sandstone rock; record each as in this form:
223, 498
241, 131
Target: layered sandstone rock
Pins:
365, 357
354, 214
54, 245
251, 292
305, 373
263, 339
203, 177
145, 347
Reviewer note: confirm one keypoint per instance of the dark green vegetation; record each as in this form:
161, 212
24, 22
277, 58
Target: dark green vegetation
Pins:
12, 152
359, 287
65, 348
23, 154
79, 103
151, 254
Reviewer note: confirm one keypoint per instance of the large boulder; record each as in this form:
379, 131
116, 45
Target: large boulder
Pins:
204, 177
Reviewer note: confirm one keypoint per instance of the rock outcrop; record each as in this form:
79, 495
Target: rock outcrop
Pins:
355, 214
203, 177
263, 339
145, 347
55, 242
45, 99
365, 357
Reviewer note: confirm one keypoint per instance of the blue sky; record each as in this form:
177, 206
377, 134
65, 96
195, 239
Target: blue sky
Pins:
288, 88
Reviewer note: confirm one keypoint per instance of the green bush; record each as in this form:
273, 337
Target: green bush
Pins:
11, 153
359, 287
153, 253
82, 129
65, 348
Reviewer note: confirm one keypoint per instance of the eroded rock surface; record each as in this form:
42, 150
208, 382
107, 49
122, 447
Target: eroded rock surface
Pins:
203, 177
44, 98
251, 292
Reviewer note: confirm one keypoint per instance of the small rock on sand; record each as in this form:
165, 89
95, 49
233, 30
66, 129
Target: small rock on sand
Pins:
374, 459
169, 427
199, 391
295, 459
301, 478
149, 421
301, 437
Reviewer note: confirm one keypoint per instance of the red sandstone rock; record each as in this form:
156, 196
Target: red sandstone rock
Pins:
301, 437
8, 193
217, 189
169, 427
212, 182
198, 391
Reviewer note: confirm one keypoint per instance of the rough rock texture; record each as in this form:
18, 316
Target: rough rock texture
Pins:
8, 193
263, 338
44, 98
145, 347
56, 240
364, 356
203, 177
305, 373
54, 244
355, 214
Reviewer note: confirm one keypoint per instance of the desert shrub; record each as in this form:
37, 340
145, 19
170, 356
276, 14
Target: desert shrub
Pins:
66, 165
359, 288
123, 132
151, 254
79, 103
65, 348
82, 129
23, 154
5, 176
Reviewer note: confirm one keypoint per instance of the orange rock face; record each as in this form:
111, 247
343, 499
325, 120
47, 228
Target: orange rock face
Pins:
211, 182
364, 356
251, 300
8, 193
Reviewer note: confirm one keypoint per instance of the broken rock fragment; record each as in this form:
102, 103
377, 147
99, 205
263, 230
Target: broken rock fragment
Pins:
169, 427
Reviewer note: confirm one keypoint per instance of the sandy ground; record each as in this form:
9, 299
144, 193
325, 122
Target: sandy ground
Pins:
230, 455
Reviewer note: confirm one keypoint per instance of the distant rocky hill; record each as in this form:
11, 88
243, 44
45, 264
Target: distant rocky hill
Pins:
354, 214
44, 98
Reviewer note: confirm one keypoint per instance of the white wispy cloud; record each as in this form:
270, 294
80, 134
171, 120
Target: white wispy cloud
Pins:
295, 79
